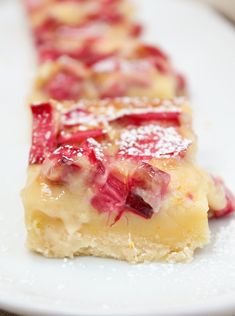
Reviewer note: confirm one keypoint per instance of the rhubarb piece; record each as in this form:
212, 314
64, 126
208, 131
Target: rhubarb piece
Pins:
134, 194
67, 162
148, 187
79, 117
64, 86
150, 183
137, 118
62, 163
63, 80
135, 74
44, 132
152, 141
139, 206
111, 197
143, 128
224, 205
140, 193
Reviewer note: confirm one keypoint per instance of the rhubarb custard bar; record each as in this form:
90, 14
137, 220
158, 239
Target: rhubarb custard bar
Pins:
116, 178
140, 70
81, 29
74, 12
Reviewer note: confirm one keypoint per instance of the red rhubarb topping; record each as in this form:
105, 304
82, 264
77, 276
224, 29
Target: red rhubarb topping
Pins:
138, 206
150, 183
79, 116
64, 86
62, 163
44, 132
146, 51
45, 31
77, 137
136, 30
111, 197
88, 125
137, 118
66, 161
156, 56
230, 201
152, 141
47, 53
140, 193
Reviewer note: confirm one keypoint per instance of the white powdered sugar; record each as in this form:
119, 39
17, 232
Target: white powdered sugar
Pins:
97, 147
152, 141
122, 65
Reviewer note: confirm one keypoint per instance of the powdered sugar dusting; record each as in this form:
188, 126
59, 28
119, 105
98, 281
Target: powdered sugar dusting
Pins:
122, 65
101, 115
133, 102
70, 152
84, 119
97, 147
152, 141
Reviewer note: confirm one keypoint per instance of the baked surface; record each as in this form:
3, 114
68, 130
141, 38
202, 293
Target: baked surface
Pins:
131, 192
139, 70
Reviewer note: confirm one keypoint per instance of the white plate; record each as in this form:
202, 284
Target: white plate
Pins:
203, 45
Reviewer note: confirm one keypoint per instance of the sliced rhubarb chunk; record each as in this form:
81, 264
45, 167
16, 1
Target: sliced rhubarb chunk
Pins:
62, 163
137, 205
66, 161
152, 141
136, 30
43, 32
79, 116
140, 193
47, 53
111, 197
229, 198
97, 158
94, 150
138, 118
64, 86
156, 56
151, 51
77, 137
44, 132
150, 183
87, 124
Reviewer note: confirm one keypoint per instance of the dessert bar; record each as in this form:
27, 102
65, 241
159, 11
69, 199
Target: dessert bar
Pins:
142, 70
115, 178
